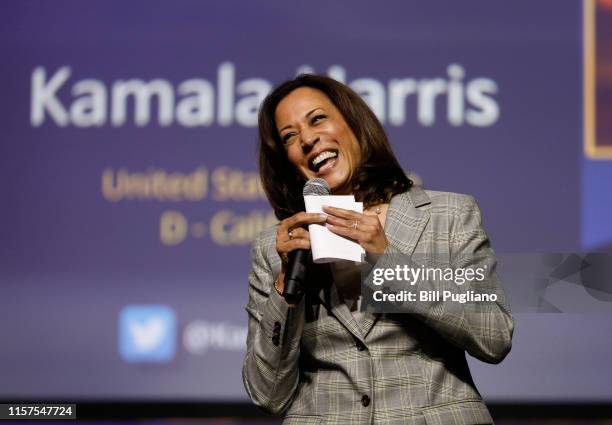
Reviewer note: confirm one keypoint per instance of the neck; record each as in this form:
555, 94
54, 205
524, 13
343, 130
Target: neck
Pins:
343, 190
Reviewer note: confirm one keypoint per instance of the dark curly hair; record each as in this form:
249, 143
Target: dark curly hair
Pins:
379, 176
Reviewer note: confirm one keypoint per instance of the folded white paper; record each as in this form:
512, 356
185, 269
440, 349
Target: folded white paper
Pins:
325, 245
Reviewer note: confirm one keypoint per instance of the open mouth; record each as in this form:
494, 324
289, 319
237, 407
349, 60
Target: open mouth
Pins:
323, 161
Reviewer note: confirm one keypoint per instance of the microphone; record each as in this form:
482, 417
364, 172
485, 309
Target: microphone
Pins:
298, 258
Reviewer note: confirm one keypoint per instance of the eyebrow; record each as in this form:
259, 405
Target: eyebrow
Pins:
307, 115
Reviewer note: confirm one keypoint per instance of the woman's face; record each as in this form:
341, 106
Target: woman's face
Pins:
318, 141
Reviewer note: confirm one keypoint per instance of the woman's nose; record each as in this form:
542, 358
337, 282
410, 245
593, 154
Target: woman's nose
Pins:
309, 138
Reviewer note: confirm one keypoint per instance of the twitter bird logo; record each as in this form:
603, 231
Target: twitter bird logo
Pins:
147, 333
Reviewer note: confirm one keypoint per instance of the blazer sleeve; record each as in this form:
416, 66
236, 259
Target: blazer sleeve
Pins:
484, 331
270, 372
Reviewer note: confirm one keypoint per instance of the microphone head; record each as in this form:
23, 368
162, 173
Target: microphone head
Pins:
317, 187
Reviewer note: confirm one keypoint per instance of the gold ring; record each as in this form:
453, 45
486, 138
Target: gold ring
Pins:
290, 235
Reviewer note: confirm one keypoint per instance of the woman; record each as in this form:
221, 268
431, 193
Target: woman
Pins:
322, 360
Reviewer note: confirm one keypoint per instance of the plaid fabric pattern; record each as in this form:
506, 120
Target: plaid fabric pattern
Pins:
316, 365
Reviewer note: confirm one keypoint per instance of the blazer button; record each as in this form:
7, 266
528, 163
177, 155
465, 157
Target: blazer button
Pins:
360, 346
365, 400
277, 325
275, 340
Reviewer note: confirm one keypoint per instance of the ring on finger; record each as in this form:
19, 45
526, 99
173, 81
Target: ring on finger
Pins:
355, 225
290, 234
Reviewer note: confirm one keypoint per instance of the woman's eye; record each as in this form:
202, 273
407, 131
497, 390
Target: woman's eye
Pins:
287, 137
317, 118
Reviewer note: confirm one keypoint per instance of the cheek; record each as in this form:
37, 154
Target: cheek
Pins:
296, 159
354, 153
293, 156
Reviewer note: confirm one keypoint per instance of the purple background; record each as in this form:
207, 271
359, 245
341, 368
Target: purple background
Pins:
70, 260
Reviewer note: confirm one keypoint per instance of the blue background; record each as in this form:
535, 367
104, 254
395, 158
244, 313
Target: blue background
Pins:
70, 260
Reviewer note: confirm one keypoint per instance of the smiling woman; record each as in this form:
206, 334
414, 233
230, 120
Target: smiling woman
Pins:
318, 140
324, 359
314, 126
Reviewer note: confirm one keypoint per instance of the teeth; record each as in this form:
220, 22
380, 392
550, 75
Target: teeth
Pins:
323, 156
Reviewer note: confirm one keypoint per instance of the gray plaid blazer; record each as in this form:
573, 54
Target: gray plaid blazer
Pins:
316, 365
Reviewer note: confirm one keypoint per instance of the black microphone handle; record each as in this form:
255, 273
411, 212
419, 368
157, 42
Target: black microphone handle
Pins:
295, 275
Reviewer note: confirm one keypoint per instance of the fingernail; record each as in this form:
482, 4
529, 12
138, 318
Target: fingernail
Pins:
323, 217
329, 226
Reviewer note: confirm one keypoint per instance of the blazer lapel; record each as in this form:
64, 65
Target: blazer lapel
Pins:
341, 311
329, 296
406, 219
404, 225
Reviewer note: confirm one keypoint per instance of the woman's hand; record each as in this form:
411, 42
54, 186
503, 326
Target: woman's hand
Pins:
365, 229
291, 235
